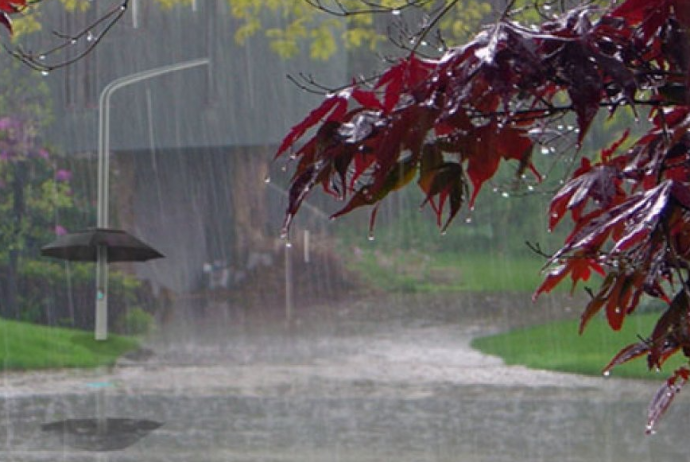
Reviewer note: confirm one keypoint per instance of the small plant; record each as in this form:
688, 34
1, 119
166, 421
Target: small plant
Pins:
135, 321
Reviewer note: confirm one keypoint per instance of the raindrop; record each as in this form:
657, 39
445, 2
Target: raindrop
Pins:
530, 187
545, 150
372, 237
468, 220
444, 232
45, 73
42, 58
267, 179
607, 373
424, 43
288, 244
90, 37
395, 12
505, 194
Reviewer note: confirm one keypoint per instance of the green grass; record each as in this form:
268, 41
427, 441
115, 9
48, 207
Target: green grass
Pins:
558, 347
26, 346
412, 271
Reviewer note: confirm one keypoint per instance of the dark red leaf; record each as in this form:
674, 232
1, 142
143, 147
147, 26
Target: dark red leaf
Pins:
332, 108
6, 21
12, 6
665, 396
596, 303
627, 354
367, 99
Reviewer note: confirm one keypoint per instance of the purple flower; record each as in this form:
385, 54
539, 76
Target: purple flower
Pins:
43, 154
60, 230
7, 122
63, 175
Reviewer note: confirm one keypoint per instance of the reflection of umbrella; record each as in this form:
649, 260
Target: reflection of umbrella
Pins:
101, 245
110, 434
83, 245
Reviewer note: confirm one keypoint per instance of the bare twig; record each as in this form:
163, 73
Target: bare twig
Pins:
369, 7
39, 61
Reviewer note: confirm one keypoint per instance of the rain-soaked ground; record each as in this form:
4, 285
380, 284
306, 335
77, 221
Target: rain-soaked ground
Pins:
381, 379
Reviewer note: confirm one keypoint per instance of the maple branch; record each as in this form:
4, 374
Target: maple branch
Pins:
428, 27
536, 248
371, 7
36, 61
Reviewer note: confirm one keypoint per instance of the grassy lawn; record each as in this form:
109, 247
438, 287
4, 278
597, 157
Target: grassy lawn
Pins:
558, 347
26, 346
411, 271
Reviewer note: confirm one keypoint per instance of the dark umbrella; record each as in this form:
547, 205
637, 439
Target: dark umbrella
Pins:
103, 246
82, 246
109, 434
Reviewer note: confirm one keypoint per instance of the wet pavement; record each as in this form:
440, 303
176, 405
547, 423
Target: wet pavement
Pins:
380, 379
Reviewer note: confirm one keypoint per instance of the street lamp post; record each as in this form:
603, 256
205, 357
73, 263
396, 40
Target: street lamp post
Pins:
101, 330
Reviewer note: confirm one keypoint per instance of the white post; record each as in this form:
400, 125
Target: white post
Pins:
102, 293
306, 246
288, 283
104, 178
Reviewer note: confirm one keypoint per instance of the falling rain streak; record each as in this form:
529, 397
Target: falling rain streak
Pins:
333, 342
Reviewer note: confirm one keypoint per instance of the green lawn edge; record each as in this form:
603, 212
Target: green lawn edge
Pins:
557, 346
25, 346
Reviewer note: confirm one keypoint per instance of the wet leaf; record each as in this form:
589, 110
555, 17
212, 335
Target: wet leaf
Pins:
665, 396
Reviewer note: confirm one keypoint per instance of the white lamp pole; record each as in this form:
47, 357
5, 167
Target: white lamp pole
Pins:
103, 178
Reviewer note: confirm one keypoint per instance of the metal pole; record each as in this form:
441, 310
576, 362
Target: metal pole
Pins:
288, 283
104, 178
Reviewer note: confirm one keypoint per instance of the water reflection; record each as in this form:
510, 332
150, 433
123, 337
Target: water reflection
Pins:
377, 380
101, 434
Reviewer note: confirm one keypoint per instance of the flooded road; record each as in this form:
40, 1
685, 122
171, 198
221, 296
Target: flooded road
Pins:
389, 379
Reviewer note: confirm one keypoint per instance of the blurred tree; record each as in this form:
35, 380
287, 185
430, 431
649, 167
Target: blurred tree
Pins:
323, 26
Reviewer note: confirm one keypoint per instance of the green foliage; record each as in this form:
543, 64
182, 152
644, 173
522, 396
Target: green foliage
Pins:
415, 271
292, 25
63, 293
27, 346
135, 321
570, 352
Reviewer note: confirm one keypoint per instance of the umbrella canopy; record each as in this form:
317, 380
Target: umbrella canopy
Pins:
83, 245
